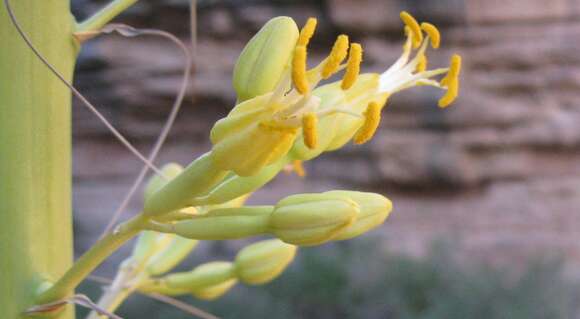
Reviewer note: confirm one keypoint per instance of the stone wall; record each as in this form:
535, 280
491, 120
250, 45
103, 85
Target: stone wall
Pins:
499, 172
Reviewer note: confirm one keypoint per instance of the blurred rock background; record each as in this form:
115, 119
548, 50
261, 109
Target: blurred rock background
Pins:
497, 174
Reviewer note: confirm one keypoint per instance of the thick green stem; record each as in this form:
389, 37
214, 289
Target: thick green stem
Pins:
105, 15
91, 259
35, 147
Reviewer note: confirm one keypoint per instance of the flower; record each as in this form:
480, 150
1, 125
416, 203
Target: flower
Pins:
351, 108
261, 130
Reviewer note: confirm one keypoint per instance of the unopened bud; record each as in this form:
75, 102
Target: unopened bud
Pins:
172, 255
311, 219
148, 244
170, 171
265, 58
196, 179
374, 209
236, 186
215, 291
206, 275
263, 261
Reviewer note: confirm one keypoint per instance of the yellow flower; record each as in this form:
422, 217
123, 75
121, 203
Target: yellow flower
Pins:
261, 130
351, 107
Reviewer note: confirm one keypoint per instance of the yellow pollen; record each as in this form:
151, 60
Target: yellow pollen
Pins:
299, 70
352, 66
372, 119
433, 34
413, 25
307, 32
455, 65
309, 124
298, 168
454, 70
337, 55
451, 94
422, 65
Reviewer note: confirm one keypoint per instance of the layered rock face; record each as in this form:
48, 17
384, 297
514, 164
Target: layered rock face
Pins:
498, 173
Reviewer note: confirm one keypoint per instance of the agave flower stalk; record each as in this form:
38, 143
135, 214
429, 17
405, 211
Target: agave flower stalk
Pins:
35, 143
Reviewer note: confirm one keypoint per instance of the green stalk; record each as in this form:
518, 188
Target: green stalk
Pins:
91, 259
35, 153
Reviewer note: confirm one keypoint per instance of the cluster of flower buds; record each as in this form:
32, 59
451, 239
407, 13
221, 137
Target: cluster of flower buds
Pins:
303, 220
256, 264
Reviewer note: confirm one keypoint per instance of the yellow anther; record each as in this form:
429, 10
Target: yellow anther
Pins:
298, 168
433, 34
309, 123
307, 31
414, 27
454, 70
422, 65
299, 70
372, 119
337, 55
352, 66
451, 81
451, 94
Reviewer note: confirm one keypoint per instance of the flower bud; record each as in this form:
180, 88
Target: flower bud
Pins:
226, 223
170, 171
215, 291
261, 262
236, 186
197, 178
206, 275
148, 243
374, 209
263, 61
172, 255
312, 219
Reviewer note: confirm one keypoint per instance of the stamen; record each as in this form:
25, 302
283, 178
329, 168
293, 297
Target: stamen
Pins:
352, 67
451, 94
309, 124
337, 55
422, 64
413, 25
433, 34
454, 70
372, 119
298, 168
307, 32
299, 70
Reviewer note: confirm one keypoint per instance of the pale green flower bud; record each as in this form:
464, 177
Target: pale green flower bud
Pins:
374, 209
197, 178
265, 59
236, 186
226, 223
215, 291
207, 281
261, 262
203, 276
172, 255
147, 244
312, 219
170, 171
